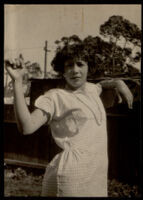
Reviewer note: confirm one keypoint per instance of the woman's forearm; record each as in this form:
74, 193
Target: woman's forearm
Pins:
22, 113
109, 84
27, 122
121, 88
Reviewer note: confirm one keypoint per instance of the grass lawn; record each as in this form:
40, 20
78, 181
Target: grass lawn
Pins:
22, 183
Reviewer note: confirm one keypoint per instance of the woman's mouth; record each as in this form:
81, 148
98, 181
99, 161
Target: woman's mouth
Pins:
76, 78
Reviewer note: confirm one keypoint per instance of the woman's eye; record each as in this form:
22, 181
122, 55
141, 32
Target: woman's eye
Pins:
70, 66
79, 64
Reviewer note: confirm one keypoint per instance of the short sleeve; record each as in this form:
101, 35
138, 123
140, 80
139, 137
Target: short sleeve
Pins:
99, 88
46, 103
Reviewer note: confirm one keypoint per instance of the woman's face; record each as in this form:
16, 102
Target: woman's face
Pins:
75, 73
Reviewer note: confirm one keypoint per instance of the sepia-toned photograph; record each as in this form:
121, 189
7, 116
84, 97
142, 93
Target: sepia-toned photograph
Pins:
72, 100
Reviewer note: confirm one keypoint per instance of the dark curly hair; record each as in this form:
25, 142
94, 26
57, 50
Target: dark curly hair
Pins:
73, 52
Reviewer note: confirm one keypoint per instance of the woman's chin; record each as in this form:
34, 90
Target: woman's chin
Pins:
76, 85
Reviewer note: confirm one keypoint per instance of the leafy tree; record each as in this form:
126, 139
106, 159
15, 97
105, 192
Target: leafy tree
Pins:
74, 39
65, 40
112, 28
116, 29
107, 57
131, 33
34, 70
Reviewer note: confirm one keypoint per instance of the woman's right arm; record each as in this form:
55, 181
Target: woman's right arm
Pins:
27, 122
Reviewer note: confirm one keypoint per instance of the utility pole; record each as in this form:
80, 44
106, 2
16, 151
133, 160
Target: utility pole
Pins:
45, 63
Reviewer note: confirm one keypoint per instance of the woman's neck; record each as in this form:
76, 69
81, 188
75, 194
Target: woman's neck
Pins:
73, 89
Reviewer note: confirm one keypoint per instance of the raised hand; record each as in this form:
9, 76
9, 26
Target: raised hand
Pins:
16, 69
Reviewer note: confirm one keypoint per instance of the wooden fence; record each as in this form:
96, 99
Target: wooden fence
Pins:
39, 148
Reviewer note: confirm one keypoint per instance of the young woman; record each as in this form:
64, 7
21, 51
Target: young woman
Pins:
77, 119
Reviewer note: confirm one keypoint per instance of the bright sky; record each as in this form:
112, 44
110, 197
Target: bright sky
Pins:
28, 26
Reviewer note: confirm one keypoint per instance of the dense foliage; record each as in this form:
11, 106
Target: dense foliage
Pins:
105, 55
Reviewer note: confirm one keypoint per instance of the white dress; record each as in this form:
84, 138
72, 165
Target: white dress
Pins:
78, 126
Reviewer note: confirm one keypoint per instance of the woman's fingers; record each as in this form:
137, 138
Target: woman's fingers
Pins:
9, 63
125, 92
15, 68
17, 63
21, 60
119, 97
129, 98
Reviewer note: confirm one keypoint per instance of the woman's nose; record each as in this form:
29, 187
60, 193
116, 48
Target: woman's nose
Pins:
75, 68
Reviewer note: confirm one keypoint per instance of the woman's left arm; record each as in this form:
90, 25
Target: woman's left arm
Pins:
121, 88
